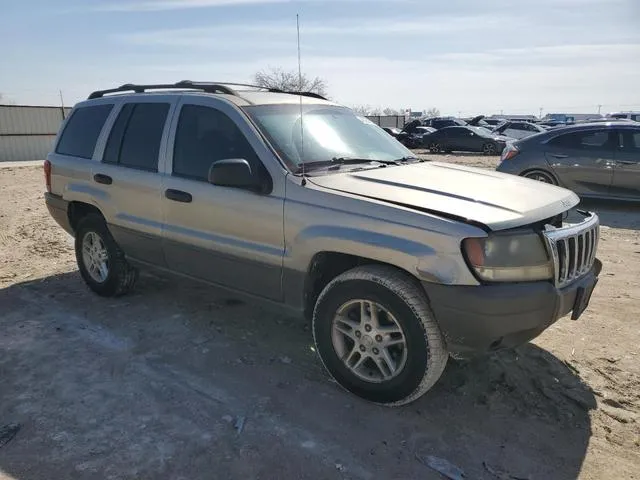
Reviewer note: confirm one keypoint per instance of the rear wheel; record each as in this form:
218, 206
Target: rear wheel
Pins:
100, 260
540, 176
377, 337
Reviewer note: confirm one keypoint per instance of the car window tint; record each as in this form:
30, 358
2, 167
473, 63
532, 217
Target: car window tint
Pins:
141, 142
112, 150
204, 136
592, 140
81, 132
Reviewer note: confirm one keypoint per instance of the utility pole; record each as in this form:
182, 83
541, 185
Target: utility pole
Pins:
599, 107
540, 116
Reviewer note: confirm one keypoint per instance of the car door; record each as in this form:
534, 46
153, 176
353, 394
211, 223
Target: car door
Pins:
626, 174
228, 236
456, 138
128, 175
583, 160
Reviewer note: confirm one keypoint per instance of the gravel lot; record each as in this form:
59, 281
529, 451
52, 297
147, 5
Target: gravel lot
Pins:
179, 381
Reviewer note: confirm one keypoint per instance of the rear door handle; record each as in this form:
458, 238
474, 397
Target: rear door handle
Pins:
178, 196
559, 155
102, 178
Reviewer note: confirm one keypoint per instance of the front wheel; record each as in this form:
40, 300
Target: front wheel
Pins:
377, 337
489, 149
435, 148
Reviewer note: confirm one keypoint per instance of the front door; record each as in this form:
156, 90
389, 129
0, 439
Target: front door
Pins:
584, 160
626, 175
228, 236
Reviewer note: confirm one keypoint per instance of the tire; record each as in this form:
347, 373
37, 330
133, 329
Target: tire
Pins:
120, 277
540, 176
435, 148
489, 149
419, 362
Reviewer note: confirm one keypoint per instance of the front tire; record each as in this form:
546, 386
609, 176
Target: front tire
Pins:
377, 337
101, 262
489, 149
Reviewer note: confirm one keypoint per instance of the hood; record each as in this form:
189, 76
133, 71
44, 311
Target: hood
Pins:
497, 200
475, 120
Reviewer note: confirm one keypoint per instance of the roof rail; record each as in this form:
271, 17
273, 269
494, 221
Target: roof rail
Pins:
209, 87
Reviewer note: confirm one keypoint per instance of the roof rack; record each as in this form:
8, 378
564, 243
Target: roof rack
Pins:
208, 87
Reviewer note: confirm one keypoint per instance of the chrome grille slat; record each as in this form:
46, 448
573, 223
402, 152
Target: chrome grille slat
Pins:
573, 249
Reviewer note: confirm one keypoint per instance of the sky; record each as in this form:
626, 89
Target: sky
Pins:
463, 57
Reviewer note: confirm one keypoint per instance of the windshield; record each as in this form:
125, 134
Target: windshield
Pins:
327, 132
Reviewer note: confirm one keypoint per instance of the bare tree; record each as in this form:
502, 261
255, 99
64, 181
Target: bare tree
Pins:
289, 81
391, 111
432, 112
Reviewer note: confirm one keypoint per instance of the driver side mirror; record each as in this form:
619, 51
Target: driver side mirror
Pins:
234, 172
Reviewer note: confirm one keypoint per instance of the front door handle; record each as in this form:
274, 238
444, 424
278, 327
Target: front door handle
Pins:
102, 178
559, 155
626, 162
178, 195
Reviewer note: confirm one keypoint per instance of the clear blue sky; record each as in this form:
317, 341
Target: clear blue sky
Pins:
469, 56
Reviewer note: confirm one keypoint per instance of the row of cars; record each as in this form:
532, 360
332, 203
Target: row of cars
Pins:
479, 134
597, 159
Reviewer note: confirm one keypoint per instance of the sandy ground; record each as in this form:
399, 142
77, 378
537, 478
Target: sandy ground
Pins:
179, 381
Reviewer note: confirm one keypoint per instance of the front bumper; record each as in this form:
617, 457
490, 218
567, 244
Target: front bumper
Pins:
480, 319
58, 209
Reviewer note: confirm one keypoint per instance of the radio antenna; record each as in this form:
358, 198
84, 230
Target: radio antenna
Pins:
304, 180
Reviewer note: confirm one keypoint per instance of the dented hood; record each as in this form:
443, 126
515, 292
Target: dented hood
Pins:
496, 200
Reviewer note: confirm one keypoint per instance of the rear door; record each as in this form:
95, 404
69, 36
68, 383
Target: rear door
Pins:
228, 236
626, 175
128, 175
584, 160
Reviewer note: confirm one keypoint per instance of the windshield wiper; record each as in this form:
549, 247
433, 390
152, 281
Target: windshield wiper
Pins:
342, 161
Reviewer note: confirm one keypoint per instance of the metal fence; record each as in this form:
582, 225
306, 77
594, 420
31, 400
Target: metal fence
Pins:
28, 132
389, 121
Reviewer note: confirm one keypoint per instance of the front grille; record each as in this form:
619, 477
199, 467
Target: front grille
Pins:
573, 248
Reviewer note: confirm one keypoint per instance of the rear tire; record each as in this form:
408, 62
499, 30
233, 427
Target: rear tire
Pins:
435, 148
391, 358
101, 262
540, 176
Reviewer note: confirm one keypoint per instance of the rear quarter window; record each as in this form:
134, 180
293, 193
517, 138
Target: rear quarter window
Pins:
80, 134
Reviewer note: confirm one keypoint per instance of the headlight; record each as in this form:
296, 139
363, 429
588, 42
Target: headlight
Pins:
512, 257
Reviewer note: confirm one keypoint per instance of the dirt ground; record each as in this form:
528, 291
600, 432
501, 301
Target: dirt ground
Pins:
178, 381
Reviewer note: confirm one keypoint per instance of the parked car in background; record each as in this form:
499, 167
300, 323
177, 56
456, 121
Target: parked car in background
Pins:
519, 130
479, 121
443, 122
393, 131
592, 159
465, 139
412, 133
494, 122
635, 116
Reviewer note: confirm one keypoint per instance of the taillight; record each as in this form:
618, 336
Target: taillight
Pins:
509, 152
47, 175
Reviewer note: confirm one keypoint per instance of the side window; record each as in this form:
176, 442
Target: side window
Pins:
81, 133
204, 136
631, 141
134, 141
592, 140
